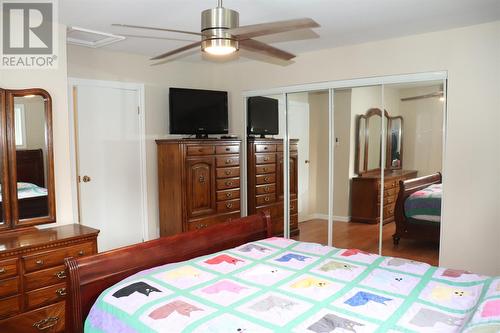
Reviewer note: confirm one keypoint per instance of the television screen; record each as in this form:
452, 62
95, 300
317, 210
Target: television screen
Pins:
262, 116
194, 111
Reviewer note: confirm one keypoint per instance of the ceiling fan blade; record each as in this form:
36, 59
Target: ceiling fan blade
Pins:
155, 28
256, 30
157, 37
179, 50
263, 48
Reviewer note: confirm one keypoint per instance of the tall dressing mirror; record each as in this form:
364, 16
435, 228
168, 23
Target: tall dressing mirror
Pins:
28, 127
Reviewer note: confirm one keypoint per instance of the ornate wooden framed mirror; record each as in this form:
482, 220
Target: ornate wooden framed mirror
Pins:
369, 141
26, 149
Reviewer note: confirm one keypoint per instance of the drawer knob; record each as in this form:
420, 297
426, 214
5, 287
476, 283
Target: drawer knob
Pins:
39, 262
229, 183
61, 275
81, 253
266, 189
266, 179
2, 270
228, 161
267, 199
46, 323
61, 291
229, 195
228, 172
228, 149
292, 207
265, 169
266, 158
229, 205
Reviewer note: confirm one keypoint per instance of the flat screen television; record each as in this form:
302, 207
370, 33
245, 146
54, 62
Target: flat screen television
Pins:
200, 112
262, 116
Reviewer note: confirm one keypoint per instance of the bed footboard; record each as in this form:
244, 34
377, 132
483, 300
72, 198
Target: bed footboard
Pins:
404, 229
88, 277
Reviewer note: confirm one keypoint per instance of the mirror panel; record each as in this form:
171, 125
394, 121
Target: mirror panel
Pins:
31, 157
358, 134
4, 194
414, 153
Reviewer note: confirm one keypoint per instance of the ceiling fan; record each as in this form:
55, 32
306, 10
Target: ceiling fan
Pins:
221, 34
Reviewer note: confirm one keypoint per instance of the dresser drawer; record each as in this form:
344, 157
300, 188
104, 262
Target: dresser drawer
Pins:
293, 207
228, 206
49, 319
222, 161
47, 295
265, 158
264, 189
265, 179
265, 199
388, 199
228, 172
8, 268
209, 221
56, 257
265, 168
265, 148
45, 277
9, 286
228, 195
293, 147
294, 221
200, 150
228, 183
229, 149
9, 306
390, 184
389, 211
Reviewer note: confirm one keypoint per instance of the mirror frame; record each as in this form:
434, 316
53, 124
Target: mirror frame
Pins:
12, 161
4, 166
388, 162
370, 113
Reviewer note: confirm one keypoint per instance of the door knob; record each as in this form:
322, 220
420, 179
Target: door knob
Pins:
86, 179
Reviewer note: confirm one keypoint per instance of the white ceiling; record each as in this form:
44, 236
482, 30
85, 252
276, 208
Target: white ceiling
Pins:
342, 22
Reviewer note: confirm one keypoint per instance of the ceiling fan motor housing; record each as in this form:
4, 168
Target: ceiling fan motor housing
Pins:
216, 21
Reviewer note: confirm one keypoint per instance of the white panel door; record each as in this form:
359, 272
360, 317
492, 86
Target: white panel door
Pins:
108, 153
298, 126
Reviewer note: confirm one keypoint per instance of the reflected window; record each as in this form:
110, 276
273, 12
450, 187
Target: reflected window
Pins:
20, 125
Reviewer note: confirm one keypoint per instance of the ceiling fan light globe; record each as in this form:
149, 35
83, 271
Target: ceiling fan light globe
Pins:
219, 46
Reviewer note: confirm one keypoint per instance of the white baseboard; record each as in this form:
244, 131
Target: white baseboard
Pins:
318, 216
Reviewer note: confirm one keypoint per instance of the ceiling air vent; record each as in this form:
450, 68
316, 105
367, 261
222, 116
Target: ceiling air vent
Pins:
90, 38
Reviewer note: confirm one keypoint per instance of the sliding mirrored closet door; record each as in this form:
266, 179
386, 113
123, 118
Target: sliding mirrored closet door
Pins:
308, 132
358, 148
413, 190
266, 134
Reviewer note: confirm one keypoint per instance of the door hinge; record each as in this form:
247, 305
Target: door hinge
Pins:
138, 110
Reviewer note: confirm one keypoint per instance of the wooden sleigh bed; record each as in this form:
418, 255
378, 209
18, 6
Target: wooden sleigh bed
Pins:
135, 289
89, 276
409, 227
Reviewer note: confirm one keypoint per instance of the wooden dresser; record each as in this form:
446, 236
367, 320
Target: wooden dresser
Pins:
265, 181
32, 276
365, 195
198, 183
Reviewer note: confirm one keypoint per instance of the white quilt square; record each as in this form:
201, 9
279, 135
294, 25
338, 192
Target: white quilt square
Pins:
225, 292
184, 277
338, 269
312, 287
394, 282
264, 274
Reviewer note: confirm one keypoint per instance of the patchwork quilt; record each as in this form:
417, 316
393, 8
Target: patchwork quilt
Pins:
281, 285
425, 204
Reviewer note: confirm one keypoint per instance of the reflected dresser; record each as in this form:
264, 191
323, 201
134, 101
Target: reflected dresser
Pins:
32, 276
365, 195
198, 183
265, 181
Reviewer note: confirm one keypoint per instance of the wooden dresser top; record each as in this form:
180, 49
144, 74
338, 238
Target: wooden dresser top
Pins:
388, 174
33, 237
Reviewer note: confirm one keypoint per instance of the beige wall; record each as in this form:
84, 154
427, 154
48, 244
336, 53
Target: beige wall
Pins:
422, 131
343, 132
318, 153
470, 55
55, 82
